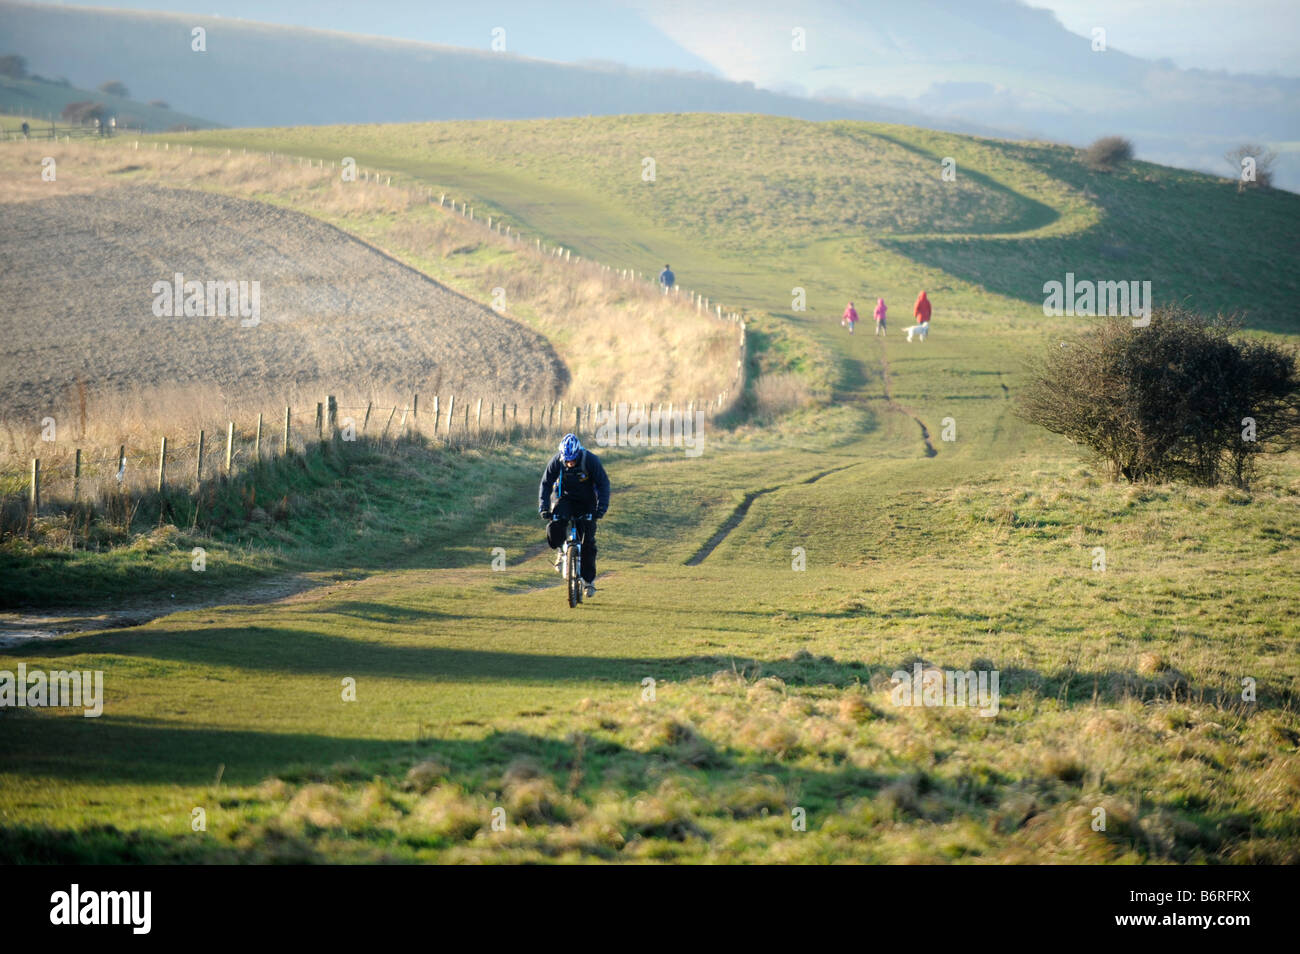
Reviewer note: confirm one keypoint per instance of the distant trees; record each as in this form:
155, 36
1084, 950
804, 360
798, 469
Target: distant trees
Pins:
160, 103
13, 66
84, 111
1177, 399
115, 88
1252, 166
1107, 153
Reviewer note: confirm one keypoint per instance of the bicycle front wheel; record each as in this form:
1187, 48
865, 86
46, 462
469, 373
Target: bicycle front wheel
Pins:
575, 581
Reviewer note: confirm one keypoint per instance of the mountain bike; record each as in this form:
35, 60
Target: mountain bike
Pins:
571, 559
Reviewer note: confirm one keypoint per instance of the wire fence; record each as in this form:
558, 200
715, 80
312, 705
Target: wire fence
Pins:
70, 473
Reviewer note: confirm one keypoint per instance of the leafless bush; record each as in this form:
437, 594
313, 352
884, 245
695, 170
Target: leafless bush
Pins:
1252, 166
1178, 399
1107, 153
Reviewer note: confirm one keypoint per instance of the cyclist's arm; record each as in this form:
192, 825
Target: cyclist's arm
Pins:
549, 476
602, 488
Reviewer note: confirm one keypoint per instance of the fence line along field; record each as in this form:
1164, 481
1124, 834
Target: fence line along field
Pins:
68, 473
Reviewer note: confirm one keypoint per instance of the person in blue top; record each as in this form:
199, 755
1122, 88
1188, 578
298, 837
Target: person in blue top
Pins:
667, 278
576, 480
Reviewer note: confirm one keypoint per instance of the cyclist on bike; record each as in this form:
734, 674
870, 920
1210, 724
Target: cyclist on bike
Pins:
581, 487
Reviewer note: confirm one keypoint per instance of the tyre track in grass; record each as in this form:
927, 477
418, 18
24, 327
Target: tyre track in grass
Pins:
741, 509
894, 405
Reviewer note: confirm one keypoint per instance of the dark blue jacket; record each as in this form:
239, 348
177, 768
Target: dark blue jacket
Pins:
587, 484
666, 278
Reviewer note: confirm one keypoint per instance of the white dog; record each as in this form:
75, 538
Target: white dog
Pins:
920, 330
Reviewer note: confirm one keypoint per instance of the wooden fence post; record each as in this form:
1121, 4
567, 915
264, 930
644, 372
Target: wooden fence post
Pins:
162, 465
320, 421
257, 443
230, 446
530, 419
478, 415
285, 449
121, 460
198, 467
435, 415
76, 476
35, 498
333, 411
366, 423
451, 406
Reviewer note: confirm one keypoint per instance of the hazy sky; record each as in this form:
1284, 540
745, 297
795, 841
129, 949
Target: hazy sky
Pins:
1241, 36
1236, 35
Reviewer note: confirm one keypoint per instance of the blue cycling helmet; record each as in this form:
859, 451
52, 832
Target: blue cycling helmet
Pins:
570, 448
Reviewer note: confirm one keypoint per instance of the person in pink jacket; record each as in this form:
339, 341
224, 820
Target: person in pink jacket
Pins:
880, 316
850, 317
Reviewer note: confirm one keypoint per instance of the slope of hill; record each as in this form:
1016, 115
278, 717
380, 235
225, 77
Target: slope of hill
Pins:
322, 308
43, 101
866, 203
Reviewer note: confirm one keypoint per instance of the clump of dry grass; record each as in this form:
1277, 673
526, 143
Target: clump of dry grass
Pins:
319, 804
448, 812
777, 394
425, 775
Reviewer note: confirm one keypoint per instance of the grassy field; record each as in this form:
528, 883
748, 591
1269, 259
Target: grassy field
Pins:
769, 588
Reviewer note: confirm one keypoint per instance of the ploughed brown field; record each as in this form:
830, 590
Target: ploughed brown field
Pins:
78, 280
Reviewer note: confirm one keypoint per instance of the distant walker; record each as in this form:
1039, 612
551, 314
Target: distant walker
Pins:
667, 278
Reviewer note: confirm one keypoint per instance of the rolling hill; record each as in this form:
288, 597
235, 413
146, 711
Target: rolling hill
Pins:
727, 695
42, 102
257, 74
763, 204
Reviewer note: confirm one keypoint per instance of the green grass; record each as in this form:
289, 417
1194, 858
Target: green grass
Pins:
756, 205
479, 689
372, 504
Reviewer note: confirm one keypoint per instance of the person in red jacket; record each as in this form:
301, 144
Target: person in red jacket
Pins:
880, 316
921, 311
850, 317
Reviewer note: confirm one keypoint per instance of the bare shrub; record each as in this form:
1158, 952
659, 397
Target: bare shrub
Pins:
1178, 399
1107, 153
1252, 166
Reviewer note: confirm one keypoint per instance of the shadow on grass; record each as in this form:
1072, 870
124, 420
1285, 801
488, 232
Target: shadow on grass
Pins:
711, 784
1142, 236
